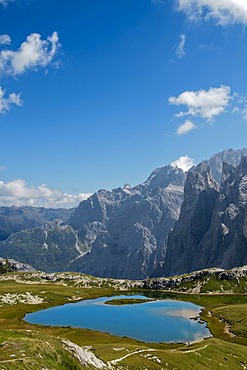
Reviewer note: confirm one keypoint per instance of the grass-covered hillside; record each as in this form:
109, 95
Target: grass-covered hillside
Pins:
26, 346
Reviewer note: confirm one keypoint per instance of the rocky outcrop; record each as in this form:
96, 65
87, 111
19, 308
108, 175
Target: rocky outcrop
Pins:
14, 219
203, 281
10, 265
214, 280
210, 231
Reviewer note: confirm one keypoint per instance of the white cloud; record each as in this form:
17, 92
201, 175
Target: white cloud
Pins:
244, 114
224, 12
5, 2
240, 105
7, 101
19, 193
186, 127
33, 53
203, 103
184, 162
180, 52
5, 39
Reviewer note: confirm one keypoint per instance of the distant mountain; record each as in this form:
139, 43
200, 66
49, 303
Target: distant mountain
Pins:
230, 156
123, 233
212, 227
50, 247
14, 219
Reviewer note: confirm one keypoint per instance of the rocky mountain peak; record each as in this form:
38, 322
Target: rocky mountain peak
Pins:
164, 176
199, 180
229, 156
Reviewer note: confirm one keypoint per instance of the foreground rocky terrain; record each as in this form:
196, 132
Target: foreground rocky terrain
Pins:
212, 280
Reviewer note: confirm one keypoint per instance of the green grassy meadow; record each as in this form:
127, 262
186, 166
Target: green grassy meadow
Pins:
120, 302
26, 346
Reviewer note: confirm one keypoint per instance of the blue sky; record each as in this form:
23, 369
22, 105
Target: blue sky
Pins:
108, 90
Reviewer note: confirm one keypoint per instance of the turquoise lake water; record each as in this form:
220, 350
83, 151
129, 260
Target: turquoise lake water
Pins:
155, 321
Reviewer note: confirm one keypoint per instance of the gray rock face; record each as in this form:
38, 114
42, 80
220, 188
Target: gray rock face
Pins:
13, 266
200, 195
225, 243
229, 156
14, 219
211, 230
126, 230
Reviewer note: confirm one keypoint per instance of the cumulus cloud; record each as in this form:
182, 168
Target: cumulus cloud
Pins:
180, 52
224, 12
32, 54
184, 162
5, 39
19, 193
185, 127
7, 101
203, 103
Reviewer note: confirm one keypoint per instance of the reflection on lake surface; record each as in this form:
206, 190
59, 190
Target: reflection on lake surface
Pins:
155, 321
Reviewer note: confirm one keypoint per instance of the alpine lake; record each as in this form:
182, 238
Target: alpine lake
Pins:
136, 316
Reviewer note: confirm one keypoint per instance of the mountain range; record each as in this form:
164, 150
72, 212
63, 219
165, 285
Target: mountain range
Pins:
174, 222
14, 219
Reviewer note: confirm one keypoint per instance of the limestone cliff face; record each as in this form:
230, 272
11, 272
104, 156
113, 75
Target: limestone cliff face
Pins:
225, 245
212, 225
201, 192
245, 224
